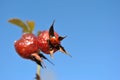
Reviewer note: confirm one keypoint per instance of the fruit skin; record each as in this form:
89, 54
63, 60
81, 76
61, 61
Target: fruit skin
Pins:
26, 45
44, 39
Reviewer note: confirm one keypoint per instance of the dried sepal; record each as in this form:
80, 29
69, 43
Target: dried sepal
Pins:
51, 30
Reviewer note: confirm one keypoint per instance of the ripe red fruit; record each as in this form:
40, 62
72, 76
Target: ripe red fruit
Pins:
43, 40
27, 47
49, 41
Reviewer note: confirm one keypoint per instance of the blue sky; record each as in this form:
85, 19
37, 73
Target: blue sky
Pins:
93, 30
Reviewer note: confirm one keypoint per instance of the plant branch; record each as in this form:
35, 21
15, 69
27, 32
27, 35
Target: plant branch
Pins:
38, 73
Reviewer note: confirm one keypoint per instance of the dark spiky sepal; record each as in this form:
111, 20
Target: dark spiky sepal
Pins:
37, 61
60, 38
42, 56
51, 30
61, 48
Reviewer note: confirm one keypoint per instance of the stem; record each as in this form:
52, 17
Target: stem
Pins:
38, 73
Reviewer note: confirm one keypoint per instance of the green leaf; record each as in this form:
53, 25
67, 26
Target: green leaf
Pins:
31, 26
19, 23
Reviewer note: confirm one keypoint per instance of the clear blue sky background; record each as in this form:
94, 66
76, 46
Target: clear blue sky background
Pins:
93, 30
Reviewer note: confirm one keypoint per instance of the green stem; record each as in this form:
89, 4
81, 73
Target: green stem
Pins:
38, 73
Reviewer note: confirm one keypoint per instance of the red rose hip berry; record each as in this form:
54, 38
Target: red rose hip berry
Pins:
27, 47
44, 42
49, 41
